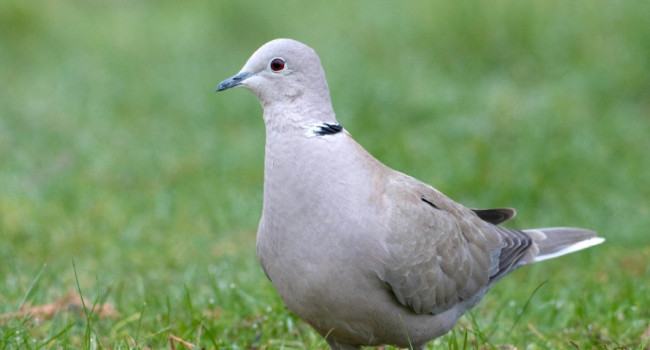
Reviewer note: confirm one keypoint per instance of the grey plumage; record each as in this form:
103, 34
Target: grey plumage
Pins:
365, 254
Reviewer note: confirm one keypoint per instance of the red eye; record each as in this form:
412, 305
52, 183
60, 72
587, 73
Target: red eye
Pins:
277, 64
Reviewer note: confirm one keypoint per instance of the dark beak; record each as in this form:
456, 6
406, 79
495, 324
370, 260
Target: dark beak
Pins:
234, 81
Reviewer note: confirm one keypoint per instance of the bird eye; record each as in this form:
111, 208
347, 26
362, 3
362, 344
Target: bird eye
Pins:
277, 64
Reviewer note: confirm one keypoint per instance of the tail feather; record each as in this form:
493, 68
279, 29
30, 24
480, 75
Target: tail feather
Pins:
557, 241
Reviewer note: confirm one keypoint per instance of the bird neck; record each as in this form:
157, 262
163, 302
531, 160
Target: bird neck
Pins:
299, 111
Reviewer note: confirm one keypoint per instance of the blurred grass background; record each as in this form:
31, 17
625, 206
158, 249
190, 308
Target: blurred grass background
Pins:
116, 154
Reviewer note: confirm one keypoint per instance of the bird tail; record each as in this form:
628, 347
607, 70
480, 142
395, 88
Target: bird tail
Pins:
557, 241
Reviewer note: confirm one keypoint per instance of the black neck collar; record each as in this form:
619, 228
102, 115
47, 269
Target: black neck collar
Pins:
327, 129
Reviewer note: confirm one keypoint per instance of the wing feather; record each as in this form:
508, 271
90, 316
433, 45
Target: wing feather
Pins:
441, 253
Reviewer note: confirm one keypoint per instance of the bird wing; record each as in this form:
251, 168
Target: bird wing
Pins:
495, 216
439, 252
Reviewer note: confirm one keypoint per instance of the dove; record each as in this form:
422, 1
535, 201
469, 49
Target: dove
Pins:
367, 255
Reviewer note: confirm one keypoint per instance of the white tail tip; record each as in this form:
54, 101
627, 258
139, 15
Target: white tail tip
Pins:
572, 248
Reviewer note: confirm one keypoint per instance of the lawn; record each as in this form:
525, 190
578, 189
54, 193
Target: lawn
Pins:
124, 178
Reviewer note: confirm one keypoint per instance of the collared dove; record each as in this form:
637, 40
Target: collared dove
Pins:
365, 254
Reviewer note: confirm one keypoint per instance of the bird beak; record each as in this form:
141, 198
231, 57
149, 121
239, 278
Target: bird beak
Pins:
234, 81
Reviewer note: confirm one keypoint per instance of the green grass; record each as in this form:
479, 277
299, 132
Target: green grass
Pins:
123, 177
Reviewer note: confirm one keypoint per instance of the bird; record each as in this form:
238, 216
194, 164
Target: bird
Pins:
365, 254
